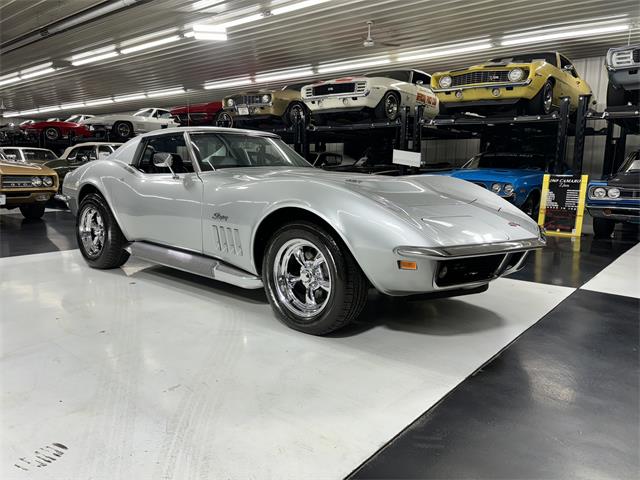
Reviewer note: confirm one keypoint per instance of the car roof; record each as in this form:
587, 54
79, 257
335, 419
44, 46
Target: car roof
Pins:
91, 144
27, 148
235, 131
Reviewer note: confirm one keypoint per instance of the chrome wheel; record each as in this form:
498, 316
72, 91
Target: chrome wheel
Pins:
92, 232
51, 134
123, 130
225, 120
547, 100
302, 278
391, 106
296, 114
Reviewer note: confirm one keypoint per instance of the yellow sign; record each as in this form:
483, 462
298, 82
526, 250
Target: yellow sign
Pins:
562, 204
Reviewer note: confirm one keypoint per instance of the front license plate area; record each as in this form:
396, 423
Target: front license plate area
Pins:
243, 110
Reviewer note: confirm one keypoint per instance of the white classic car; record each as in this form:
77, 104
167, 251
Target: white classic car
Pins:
124, 126
382, 93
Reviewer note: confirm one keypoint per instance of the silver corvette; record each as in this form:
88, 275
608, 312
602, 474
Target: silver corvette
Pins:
242, 207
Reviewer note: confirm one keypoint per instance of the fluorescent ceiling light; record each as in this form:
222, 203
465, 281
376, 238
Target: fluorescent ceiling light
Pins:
296, 6
444, 51
274, 76
102, 101
227, 83
556, 34
36, 68
246, 19
29, 112
354, 64
209, 32
10, 114
6, 80
70, 106
48, 109
129, 97
201, 4
155, 43
166, 93
25, 76
143, 38
94, 55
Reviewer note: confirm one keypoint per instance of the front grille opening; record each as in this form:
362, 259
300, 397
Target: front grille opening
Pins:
467, 270
513, 260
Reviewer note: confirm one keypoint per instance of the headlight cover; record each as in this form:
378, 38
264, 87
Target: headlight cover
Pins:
47, 181
266, 98
508, 189
445, 82
496, 187
516, 74
613, 193
599, 192
36, 181
230, 102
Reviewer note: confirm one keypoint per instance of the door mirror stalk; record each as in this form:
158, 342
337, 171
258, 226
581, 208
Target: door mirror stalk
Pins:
164, 160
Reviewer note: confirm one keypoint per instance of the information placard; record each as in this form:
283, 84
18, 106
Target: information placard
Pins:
562, 204
404, 157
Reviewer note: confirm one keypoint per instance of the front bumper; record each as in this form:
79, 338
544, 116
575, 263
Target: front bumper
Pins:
14, 199
618, 213
342, 103
509, 93
442, 269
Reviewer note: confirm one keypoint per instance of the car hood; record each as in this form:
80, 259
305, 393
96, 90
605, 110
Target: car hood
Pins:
105, 118
13, 168
54, 124
625, 178
451, 211
492, 174
342, 80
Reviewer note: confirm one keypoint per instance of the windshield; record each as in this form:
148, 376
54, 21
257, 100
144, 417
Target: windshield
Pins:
530, 162
632, 163
401, 75
549, 57
143, 113
74, 119
31, 155
216, 151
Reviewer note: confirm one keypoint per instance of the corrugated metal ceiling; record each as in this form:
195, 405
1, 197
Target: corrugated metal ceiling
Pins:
326, 32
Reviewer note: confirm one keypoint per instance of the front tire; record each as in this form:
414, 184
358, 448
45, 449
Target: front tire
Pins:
542, 103
312, 281
389, 107
123, 130
296, 113
603, 227
33, 211
100, 239
224, 119
51, 134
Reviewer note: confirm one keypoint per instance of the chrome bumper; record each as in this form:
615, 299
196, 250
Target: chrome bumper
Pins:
483, 85
466, 251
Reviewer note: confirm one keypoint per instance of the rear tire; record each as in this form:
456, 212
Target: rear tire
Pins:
603, 227
100, 239
542, 103
33, 211
314, 300
223, 119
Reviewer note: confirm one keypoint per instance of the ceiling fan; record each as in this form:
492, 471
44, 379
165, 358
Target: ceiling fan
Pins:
369, 42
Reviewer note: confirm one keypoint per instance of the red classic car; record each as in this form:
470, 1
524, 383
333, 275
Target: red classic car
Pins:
199, 114
55, 129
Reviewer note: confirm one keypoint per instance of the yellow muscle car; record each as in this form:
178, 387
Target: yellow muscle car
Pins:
255, 107
529, 83
26, 186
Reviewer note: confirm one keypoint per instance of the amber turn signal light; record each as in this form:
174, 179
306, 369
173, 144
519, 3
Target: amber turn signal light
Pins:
407, 265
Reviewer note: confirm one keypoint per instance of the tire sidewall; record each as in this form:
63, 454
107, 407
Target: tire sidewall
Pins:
382, 110
53, 130
97, 202
117, 132
333, 254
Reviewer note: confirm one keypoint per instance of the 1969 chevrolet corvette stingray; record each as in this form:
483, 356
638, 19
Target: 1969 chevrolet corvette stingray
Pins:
242, 207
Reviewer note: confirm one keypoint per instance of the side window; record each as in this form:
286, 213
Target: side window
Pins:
12, 154
172, 143
105, 149
163, 114
82, 155
564, 63
421, 77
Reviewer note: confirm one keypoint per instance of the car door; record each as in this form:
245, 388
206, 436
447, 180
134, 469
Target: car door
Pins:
156, 205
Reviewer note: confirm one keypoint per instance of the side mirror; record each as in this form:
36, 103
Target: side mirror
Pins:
419, 82
103, 155
164, 160
568, 67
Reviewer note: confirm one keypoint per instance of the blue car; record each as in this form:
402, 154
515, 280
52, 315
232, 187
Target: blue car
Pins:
616, 198
516, 177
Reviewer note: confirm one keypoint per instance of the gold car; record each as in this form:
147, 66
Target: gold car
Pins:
263, 105
530, 83
26, 186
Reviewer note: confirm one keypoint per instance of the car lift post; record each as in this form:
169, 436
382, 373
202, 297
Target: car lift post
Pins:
563, 126
581, 124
